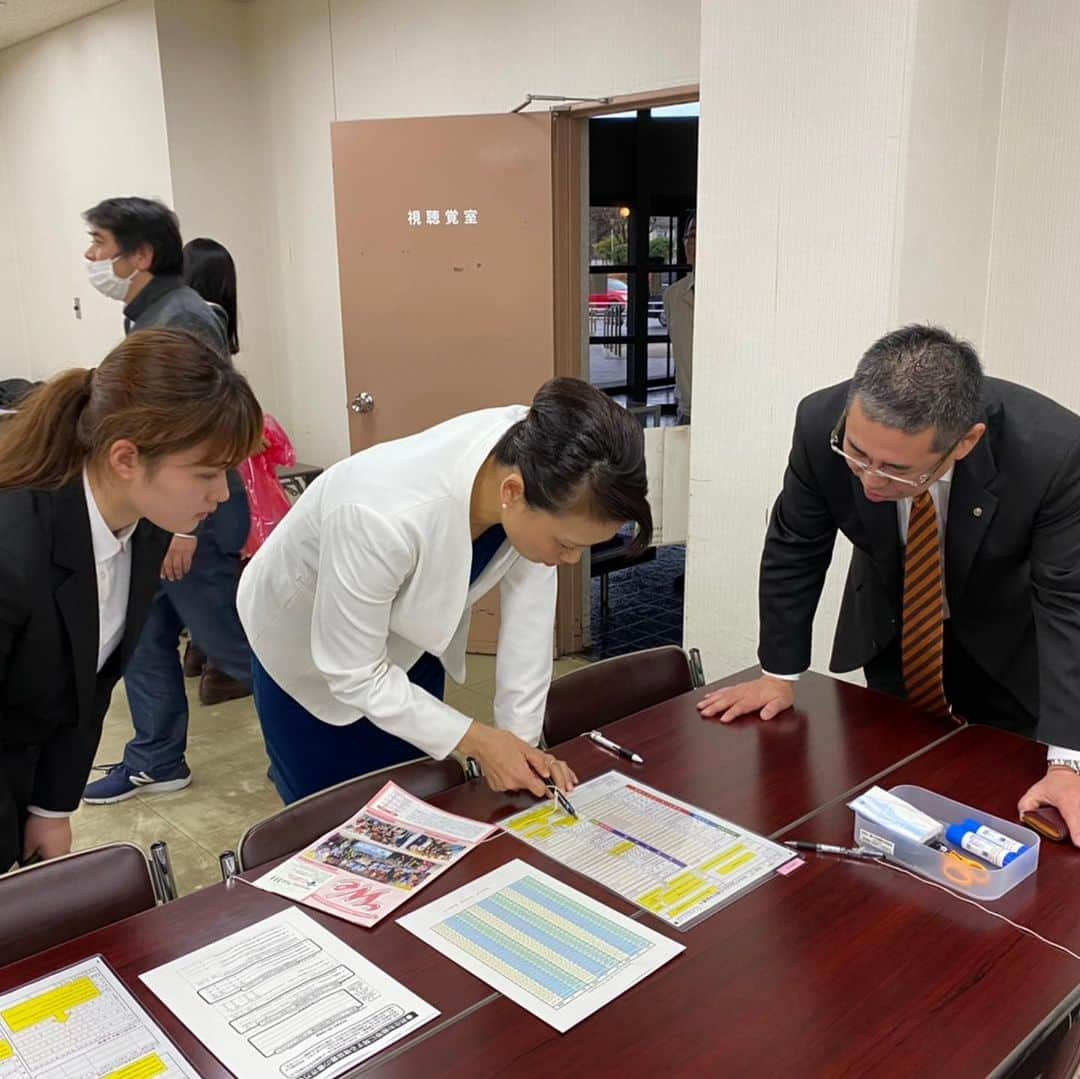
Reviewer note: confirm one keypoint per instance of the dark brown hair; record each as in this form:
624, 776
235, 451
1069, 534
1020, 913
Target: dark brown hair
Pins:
578, 448
164, 390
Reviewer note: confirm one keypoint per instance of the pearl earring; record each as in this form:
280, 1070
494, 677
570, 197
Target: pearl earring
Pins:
504, 505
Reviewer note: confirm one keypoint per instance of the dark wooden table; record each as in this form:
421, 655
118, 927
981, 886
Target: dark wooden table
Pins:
841, 968
764, 776
756, 968
1026, 993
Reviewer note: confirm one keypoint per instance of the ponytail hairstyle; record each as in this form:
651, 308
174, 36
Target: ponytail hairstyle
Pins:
209, 269
578, 451
164, 390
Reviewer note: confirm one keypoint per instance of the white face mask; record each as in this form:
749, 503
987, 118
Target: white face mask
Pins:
104, 279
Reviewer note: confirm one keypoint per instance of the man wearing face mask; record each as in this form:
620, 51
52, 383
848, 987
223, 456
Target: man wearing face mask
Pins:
135, 256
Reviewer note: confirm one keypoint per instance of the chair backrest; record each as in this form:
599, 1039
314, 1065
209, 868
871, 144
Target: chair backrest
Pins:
293, 827
1065, 1062
1056, 1056
603, 692
47, 904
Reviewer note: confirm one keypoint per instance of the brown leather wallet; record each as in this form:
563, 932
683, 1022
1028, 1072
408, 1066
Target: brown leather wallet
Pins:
1048, 822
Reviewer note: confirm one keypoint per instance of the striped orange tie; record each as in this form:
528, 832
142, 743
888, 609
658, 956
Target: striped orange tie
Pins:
923, 610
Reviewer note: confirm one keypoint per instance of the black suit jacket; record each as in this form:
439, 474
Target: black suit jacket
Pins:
1012, 555
52, 699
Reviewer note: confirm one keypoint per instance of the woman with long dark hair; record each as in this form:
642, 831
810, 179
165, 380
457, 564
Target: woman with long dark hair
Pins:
358, 604
209, 269
97, 470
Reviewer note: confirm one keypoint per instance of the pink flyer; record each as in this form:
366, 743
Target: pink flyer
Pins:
371, 864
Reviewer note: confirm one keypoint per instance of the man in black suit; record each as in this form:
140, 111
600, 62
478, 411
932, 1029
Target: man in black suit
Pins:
961, 496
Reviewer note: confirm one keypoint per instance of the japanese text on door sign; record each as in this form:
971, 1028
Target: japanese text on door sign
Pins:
419, 218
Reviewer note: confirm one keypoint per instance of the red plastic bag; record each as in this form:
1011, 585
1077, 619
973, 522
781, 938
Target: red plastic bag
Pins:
267, 501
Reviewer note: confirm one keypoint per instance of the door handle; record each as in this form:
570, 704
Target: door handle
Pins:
362, 402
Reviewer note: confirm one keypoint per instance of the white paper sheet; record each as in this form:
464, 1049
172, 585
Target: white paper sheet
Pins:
675, 860
81, 1023
285, 998
377, 859
546, 946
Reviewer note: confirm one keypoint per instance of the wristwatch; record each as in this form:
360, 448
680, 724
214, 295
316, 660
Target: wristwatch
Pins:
1064, 762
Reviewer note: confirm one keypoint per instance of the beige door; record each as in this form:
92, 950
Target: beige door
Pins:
445, 250
444, 232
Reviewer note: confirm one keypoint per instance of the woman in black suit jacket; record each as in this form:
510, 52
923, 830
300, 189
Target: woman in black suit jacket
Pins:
97, 471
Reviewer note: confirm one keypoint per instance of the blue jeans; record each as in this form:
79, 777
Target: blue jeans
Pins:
205, 602
308, 754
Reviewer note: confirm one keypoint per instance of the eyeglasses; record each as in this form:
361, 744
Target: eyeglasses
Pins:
864, 466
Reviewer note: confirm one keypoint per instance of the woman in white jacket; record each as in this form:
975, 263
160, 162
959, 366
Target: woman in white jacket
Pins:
358, 604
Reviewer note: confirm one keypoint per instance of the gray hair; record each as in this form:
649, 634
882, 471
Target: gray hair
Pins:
919, 377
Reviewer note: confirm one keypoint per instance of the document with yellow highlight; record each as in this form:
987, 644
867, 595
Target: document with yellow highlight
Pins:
81, 1023
675, 860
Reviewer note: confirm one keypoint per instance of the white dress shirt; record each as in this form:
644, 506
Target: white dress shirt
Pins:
939, 492
112, 563
112, 559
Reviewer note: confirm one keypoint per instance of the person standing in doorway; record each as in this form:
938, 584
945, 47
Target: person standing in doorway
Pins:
679, 311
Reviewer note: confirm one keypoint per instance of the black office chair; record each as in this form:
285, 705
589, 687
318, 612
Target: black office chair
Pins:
292, 828
58, 900
603, 692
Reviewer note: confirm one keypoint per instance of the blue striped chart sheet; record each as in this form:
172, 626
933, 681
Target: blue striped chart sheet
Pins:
555, 951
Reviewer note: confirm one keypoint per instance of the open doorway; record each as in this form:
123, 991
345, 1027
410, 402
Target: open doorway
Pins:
642, 194
638, 197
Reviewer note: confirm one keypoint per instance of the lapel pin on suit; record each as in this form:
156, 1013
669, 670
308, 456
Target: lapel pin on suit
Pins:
977, 511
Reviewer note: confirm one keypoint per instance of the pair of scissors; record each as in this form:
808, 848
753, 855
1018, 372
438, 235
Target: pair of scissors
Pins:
964, 872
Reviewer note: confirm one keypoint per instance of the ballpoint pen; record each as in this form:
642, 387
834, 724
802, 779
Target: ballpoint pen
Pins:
828, 848
626, 754
561, 800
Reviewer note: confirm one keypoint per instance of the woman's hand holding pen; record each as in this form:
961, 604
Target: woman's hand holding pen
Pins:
510, 764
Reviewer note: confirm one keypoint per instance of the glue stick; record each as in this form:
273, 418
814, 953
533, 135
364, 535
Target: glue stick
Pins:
961, 836
1014, 846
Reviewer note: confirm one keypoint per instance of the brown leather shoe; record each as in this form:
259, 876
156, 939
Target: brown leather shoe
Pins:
194, 660
216, 686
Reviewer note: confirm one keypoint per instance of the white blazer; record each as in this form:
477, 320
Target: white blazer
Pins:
370, 569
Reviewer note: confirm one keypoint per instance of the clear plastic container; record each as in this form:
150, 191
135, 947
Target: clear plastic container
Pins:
980, 881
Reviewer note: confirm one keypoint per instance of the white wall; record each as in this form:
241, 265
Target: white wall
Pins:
356, 59
797, 200
81, 119
429, 57
14, 354
294, 91
218, 173
846, 186
947, 172
1033, 304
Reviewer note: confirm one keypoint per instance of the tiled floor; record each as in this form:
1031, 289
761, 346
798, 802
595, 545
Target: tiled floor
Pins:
229, 790
645, 606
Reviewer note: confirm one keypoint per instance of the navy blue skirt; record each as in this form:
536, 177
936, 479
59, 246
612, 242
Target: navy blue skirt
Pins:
308, 755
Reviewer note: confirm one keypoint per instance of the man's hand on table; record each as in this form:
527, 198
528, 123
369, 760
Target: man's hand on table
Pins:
767, 695
1060, 788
